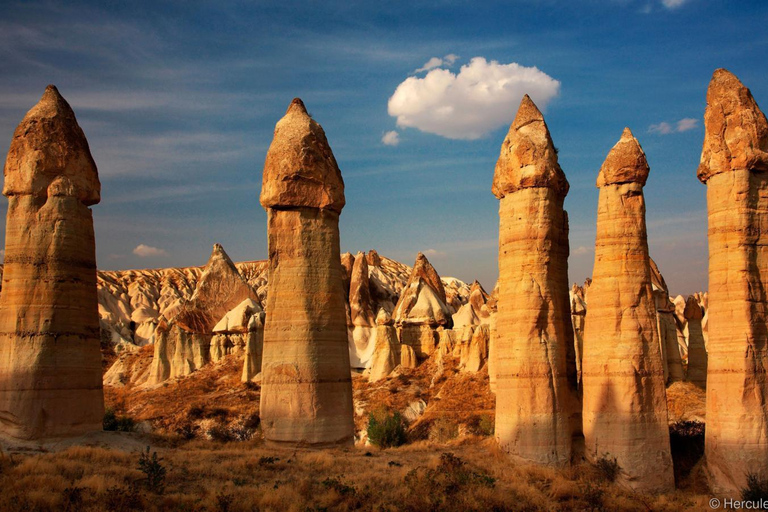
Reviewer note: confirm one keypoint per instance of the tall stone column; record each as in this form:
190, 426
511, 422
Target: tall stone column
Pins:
734, 166
625, 408
306, 396
535, 365
50, 360
697, 353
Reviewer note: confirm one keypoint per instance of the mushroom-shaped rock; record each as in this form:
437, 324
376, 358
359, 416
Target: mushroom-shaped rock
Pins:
697, 353
306, 396
625, 408
535, 364
50, 360
734, 161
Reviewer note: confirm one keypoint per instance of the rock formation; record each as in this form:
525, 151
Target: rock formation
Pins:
363, 328
306, 396
477, 353
682, 340
734, 166
667, 327
697, 354
422, 308
476, 310
625, 408
534, 350
578, 319
386, 355
183, 343
50, 362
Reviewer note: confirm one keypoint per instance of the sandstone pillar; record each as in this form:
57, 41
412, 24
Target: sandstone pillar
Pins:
734, 166
535, 359
50, 360
625, 408
697, 354
306, 396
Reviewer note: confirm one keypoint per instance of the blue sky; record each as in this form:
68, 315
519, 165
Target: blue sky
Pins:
179, 101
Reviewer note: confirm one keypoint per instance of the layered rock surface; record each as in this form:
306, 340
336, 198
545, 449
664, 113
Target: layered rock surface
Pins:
625, 409
306, 396
50, 361
535, 363
734, 165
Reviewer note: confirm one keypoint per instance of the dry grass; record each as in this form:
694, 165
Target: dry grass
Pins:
209, 476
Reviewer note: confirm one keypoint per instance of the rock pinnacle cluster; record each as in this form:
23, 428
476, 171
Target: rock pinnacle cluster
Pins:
50, 359
734, 166
306, 396
535, 365
625, 408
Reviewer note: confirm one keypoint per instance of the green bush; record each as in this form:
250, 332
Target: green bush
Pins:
154, 471
386, 430
115, 423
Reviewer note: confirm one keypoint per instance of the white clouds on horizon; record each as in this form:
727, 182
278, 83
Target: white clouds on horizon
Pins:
391, 138
434, 253
147, 251
481, 97
665, 128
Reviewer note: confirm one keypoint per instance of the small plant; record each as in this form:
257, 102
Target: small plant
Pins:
339, 486
187, 431
114, 423
593, 496
73, 498
152, 467
385, 430
224, 502
122, 498
268, 461
486, 425
608, 467
443, 430
756, 489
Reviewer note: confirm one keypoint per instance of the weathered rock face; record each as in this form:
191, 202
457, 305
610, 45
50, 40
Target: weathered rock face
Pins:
476, 310
477, 354
734, 165
697, 353
534, 350
186, 343
422, 308
306, 396
667, 327
625, 408
50, 361
363, 332
386, 355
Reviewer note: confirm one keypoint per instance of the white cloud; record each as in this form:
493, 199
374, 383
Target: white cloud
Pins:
450, 59
434, 253
391, 138
580, 251
673, 4
665, 128
686, 124
437, 62
146, 251
434, 62
481, 97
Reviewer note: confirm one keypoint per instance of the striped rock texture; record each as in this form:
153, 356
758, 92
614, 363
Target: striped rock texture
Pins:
535, 364
50, 361
306, 396
625, 408
734, 166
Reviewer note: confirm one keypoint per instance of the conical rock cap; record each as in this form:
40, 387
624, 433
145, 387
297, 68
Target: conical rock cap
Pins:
49, 154
625, 163
528, 157
736, 130
300, 169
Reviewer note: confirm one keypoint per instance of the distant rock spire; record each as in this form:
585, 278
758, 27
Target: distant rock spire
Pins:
625, 163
